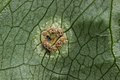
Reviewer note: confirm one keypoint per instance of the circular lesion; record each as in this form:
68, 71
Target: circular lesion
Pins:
53, 39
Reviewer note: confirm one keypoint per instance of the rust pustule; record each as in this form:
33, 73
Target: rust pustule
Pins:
53, 39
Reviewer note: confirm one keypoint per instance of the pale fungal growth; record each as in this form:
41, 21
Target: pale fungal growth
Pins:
53, 39
50, 38
45, 33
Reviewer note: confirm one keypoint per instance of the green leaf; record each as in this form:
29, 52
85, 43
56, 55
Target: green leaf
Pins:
92, 28
3, 4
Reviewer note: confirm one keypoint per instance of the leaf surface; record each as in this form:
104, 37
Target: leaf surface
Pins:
92, 51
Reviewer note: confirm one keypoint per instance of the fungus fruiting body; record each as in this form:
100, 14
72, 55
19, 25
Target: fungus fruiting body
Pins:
50, 38
53, 39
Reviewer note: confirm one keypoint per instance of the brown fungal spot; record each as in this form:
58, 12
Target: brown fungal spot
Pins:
53, 39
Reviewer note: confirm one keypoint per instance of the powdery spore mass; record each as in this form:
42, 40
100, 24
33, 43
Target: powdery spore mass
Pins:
53, 39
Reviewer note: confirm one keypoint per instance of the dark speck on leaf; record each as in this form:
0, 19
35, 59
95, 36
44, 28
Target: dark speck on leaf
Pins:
48, 38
